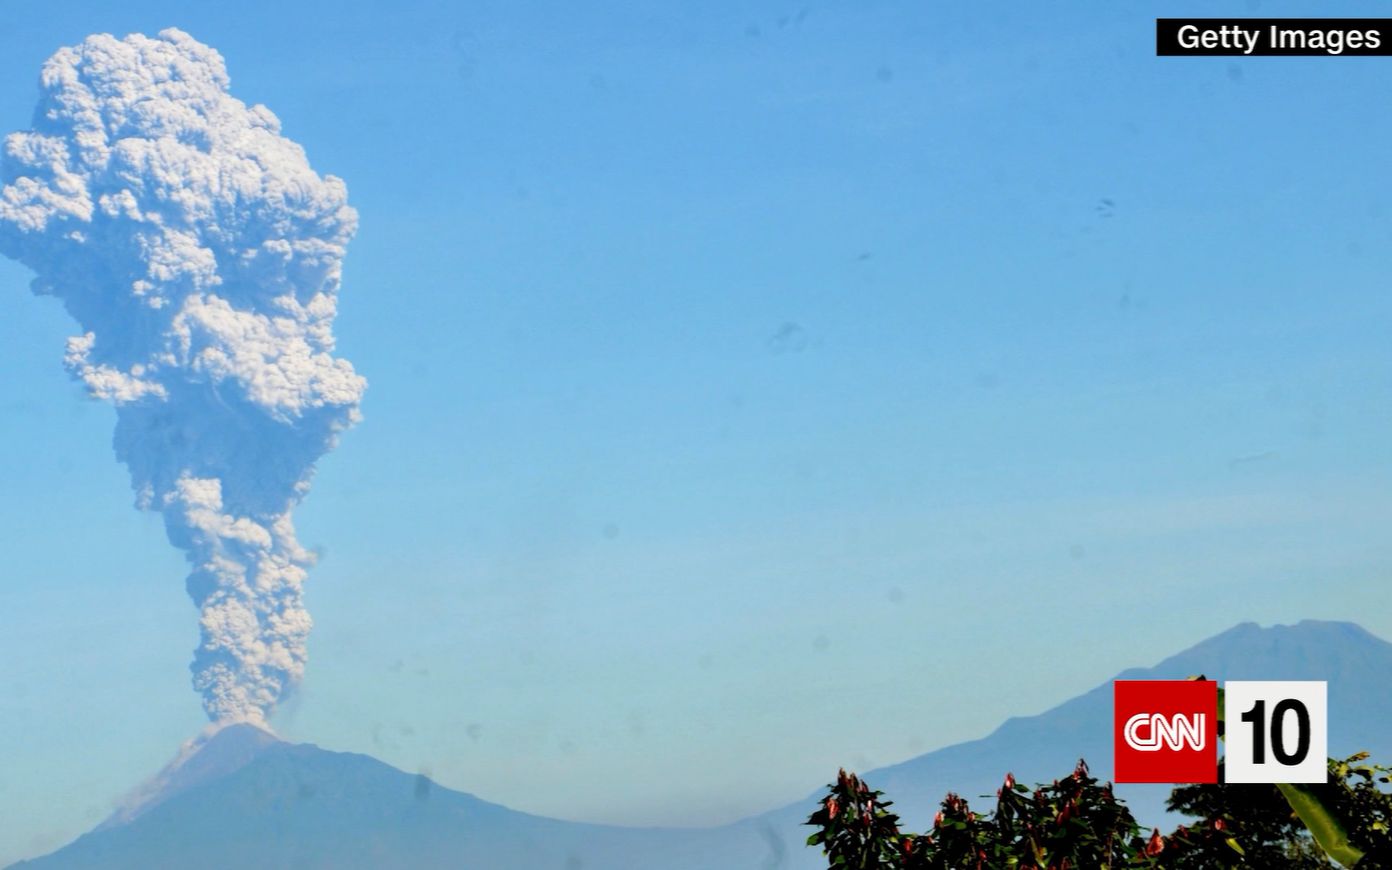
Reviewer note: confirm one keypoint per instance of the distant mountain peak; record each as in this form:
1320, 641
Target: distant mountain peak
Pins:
1322, 649
1331, 626
217, 752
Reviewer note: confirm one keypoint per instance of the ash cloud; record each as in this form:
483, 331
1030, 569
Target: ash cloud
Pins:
201, 257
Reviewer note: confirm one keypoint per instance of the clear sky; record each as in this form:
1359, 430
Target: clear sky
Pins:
754, 389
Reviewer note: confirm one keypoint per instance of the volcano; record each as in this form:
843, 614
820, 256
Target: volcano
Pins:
245, 798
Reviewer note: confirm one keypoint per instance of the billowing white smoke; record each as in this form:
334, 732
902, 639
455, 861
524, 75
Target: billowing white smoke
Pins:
200, 254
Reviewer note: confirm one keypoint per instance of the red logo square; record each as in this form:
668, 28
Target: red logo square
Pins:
1165, 730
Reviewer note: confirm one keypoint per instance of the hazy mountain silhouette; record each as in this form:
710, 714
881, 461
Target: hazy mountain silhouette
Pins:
248, 800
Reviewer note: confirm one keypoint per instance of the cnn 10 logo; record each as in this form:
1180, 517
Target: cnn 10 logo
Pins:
1167, 731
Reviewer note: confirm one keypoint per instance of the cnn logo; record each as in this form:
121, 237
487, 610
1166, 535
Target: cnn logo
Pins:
1166, 730
1150, 732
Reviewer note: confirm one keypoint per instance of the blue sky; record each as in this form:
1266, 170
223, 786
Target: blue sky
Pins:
754, 389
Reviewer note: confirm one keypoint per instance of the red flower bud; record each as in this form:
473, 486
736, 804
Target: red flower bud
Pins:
1156, 843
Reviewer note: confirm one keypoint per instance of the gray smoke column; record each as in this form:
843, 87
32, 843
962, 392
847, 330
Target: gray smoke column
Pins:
200, 255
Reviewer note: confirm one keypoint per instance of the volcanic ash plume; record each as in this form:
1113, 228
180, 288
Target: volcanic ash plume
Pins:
201, 257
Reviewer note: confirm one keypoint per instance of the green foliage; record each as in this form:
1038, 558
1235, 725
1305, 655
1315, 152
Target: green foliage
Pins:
1073, 823
857, 828
1255, 816
1355, 809
1324, 826
1078, 823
